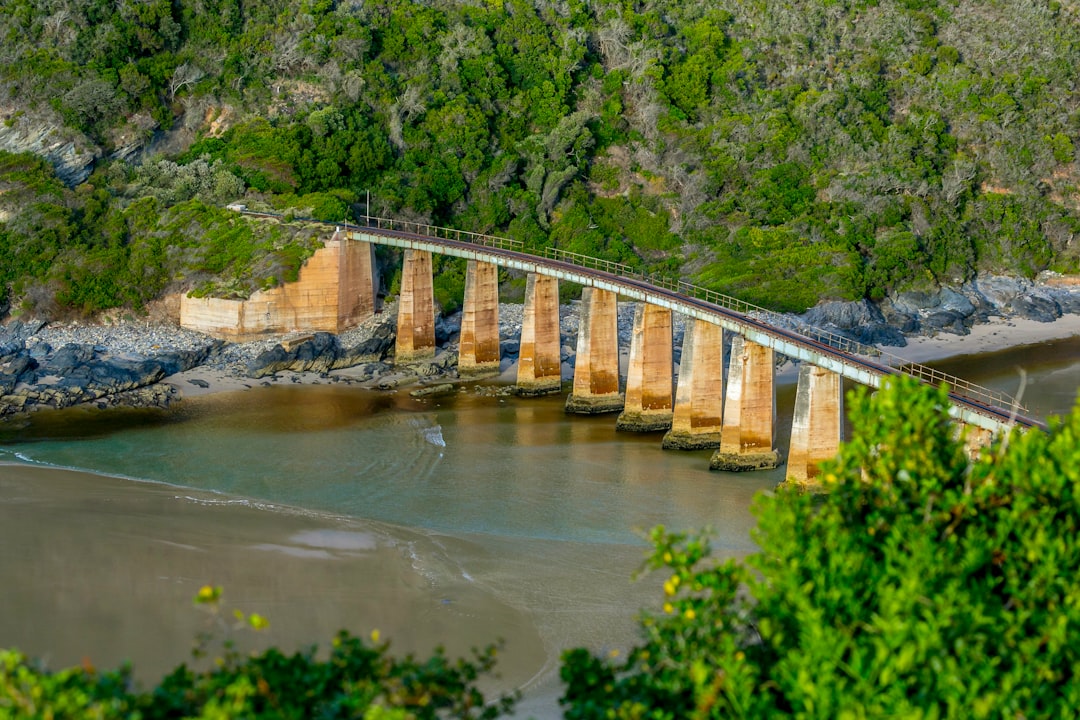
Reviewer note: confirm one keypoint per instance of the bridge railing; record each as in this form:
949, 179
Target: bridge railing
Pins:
444, 233
833, 341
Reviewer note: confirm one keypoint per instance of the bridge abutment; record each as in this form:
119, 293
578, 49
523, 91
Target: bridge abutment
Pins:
596, 371
335, 291
699, 397
478, 348
416, 310
818, 423
746, 441
648, 406
539, 356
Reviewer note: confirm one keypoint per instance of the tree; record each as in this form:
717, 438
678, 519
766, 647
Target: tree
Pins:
920, 584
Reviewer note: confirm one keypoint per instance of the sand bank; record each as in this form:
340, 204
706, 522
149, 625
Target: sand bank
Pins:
104, 569
998, 334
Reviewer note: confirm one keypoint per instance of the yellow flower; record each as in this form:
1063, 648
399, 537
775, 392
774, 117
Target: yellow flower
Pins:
208, 594
375, 636
689, 614
668, 608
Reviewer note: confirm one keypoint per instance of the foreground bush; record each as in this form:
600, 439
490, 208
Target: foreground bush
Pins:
920, 585
359, 679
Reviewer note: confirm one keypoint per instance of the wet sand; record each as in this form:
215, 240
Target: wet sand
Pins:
998, 334
117, 563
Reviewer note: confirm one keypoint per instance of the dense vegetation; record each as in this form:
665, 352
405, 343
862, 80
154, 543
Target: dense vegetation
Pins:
780, 152
358, 679
921, 584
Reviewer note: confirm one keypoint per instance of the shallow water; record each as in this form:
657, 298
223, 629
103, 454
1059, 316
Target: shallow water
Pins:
452, 520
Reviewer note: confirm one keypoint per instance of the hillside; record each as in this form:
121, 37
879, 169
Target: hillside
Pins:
783, 153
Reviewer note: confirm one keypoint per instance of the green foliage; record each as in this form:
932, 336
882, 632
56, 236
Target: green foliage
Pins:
490, 115
920, 584
357, 679
775, 268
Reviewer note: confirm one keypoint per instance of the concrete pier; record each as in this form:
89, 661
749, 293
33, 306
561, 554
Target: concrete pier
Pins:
648, 406
699, 399
596, 372
539, 356
416, 310
478, 349
746, 442
818, 424
357, 287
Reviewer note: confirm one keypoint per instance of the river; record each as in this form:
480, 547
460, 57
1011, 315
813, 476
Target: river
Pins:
455, 520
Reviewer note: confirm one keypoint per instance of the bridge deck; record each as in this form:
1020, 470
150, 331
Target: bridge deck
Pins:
862, 363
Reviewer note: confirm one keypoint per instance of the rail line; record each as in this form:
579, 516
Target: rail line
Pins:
998, 406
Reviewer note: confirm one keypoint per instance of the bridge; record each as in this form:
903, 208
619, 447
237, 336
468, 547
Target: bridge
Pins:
738, 420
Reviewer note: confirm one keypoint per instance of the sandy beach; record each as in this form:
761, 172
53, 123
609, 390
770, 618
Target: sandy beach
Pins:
998, 334
123, 559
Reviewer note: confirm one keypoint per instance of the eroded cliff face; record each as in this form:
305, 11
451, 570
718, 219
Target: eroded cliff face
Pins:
69, 151
42, 132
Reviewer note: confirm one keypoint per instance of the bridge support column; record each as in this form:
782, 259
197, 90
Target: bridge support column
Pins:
818, 425
648, 405
596, 372
746, 442
356, 282
416, 310
539, 356
699, 398
478, 349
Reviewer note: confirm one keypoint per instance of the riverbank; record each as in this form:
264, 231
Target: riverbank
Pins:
113, 578
142, 364
996, 334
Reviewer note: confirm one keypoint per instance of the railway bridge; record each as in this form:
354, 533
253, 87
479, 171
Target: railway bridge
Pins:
736, 417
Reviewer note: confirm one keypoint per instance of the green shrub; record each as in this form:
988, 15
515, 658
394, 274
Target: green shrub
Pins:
359, 679
921, 584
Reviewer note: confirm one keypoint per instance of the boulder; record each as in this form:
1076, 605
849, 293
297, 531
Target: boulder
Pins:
1036, 306
11, 347
1001, 291
447, 327
861, 321
322, 352
374, 349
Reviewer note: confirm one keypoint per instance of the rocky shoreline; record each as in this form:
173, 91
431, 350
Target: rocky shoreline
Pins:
54, 365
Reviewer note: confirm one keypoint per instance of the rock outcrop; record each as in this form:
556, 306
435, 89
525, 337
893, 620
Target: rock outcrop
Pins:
955, 310
861, 321
77, 374
67, 150
322, 352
